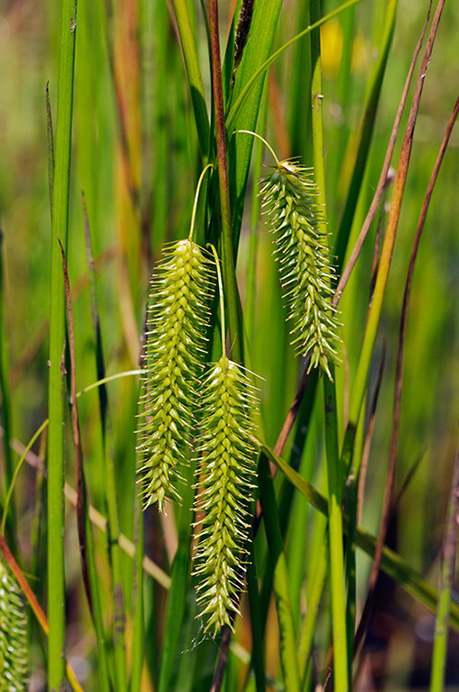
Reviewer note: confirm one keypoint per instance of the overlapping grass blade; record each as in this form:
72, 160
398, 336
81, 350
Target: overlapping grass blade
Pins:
394, 565
366, 134
288, 652
194, 76
56, 588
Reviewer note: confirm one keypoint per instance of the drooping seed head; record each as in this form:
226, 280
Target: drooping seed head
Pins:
181, 289
226, 477
290, 202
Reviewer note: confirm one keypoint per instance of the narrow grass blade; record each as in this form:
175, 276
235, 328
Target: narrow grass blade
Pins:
338, 594
113, 526
56, 587
250, 297
95, 315
314, 597
250, 83
366, 133
388, 246
280, 579
194, 76
85, 537
180, 578
384, 174
437, 680
394, 565
257, 660
50, 137
76, 437
138, 639
336, 479
161, 59
354, 507
6, 402
299, 97
244, 117
339, 136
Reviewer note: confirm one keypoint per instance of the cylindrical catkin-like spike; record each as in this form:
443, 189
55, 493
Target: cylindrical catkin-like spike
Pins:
289, 198
182, 286
227, 474
13, 635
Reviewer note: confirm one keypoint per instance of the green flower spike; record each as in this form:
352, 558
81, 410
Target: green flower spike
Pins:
181, 288
290, 202
226, 477
13, 635
289, 198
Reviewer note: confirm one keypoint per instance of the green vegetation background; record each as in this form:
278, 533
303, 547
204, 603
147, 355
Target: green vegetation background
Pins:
135, 158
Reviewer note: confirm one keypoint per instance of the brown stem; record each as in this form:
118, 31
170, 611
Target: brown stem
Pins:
229, 276
400, 355
384, 174
79, 476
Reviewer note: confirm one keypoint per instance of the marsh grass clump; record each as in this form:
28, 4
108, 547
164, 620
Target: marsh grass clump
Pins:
181, 288
13, 635
290, 202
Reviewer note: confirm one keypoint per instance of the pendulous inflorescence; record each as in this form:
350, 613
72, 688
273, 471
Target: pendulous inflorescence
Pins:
181, 288
226, 477
13, 634
290, 202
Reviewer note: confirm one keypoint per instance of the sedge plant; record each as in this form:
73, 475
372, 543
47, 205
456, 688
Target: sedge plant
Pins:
240, 526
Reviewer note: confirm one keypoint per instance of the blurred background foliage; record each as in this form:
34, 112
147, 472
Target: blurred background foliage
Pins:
135, 158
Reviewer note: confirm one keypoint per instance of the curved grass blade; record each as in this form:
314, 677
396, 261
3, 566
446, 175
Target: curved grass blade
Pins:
394, 565
263, 24
35, 606
358, 391
251, 82
194, 76
366, 133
